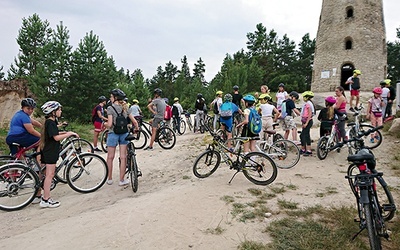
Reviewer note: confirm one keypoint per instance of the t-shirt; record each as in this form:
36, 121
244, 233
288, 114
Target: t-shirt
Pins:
289, 106
111, 111
134, 110
385, 92
236, 99
51, 149
159, 106
266, 109
179, 106
99, 108
17, 123
280, 97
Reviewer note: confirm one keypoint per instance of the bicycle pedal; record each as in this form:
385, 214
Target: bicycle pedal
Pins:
357, 220
389, 207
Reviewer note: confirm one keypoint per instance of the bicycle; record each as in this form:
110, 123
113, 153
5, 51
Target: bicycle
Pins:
165, 136
361, 175
20, 180
257, 167
202, 121
188, 120
178, 128
132, 169
103, 140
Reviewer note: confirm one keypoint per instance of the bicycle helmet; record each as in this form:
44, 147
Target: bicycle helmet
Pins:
176, 99
135, 101
308, 94
158, 91
118, 94
199, 96
228, 98
294, 94
235, 87
281, 84
356, 71
166, 100
377, 90
28, 102
50, 106
102, 98
219, 92
383, 83
387, 81
249, 99
330, 100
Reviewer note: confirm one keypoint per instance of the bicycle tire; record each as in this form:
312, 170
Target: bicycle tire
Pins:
259, 168
322, 148
189, 123
19, 185
133, 170
103, 140
182, 127
367, 142
285, 153
166, 138
141, 139
277, 137
206, 163
88, 176
373, 236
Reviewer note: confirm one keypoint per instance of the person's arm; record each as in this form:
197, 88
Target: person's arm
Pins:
309, 115
338, 103
31, 130
64, 135
369, 109
134, 122
101, 116
277, 114
150, 107
36, 123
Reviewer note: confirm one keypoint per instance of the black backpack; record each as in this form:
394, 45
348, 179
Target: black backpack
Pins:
121, 123
215, 107
175, 111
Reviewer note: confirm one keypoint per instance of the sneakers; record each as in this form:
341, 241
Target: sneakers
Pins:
352, 109
148, 148
109, 182
37, 200
302, 152
307, 153
49, 203
97, 150
123, 183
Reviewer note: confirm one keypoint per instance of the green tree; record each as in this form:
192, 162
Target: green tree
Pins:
93, 74
393, 54
199, 71
1, 72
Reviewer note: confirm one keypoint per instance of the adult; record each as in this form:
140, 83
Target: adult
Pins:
118, 106
268, 113
340, 111
50, 148
157, 108
281, 95
288, 123
354, 86
22, 127
177, 111
391, 98
200, 107
99, 120
215, 105
307, 113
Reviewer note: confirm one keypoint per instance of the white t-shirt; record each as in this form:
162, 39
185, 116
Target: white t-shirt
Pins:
280, 97
385, 92
266, 110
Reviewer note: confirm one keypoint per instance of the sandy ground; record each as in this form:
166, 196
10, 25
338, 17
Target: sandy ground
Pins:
172, 208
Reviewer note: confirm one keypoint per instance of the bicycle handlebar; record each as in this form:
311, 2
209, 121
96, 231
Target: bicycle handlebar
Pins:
358, 137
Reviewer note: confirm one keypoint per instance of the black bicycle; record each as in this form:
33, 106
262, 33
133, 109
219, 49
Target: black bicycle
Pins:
132, 169
165, 136
375, 203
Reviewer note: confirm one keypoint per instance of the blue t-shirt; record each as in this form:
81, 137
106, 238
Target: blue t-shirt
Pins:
17, 123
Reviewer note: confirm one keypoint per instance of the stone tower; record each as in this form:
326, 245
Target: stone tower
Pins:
351, 35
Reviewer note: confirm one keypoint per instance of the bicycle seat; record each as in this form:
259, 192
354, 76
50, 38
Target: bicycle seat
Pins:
350, 124
270, 132
130, 137
361, 156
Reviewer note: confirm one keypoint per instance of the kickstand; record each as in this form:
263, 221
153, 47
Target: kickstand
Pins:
355, 236
234, 176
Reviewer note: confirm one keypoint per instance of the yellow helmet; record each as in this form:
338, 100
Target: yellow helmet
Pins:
219, 92
264, 96
356, 71
176, 99
387, 81
308, 94
135, 101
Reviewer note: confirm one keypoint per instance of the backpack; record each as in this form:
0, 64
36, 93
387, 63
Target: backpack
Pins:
215, 107
283, 110
255, 122
94, 113
356, 83
121, 124
167, 113
175, 111
226, 109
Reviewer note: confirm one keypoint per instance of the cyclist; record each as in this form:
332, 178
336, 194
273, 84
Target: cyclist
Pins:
340, 111
391, 99
307, 113
326, 116
118, 106
226, 118
177, 111
135, 110
248, 146
354, 83
288, 123
216, 103
50, 148
99, 121
22, 129
237, 99
200, 107
157, 108
374, 111
266, 110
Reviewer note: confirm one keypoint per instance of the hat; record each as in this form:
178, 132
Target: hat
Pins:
176, 99
135, 101
356, 71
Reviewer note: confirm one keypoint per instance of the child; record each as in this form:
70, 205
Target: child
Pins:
281, 95
307, 113
266, 110
374, 111
326, 116
288, 123
249, 146
228, 108
50, 148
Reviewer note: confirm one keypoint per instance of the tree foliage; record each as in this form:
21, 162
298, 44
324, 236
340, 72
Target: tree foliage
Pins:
393, 50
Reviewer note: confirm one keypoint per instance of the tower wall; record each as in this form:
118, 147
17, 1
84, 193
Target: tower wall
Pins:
364, 31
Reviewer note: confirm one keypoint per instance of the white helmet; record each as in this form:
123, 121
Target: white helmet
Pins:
50, 106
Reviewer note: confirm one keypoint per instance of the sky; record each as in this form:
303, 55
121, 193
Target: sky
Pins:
146, 34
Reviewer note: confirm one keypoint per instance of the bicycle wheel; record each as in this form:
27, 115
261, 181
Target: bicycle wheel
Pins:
166, 138
285, 153
189, 123
133, 171
103, 140
18, 186
87, 172
368, 142
277, 137
374, 239
322, 148
259, 168
206, 163
141, 139
182, 127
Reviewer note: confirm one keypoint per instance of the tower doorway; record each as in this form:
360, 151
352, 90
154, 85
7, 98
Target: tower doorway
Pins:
346, 72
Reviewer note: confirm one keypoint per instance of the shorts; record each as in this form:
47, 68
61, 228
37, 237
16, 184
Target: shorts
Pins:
288, 123
24, 140
98, 126
156, 122
227, 123
355, 92
114, 139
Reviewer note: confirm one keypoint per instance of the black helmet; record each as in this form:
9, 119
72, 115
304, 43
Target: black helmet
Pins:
102, 98
158, 91
118, 94
28, 102
199, 95
294, 94
235, 87
281, 84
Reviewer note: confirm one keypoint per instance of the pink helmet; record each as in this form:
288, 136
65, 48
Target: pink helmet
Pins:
377, 90
330, 100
